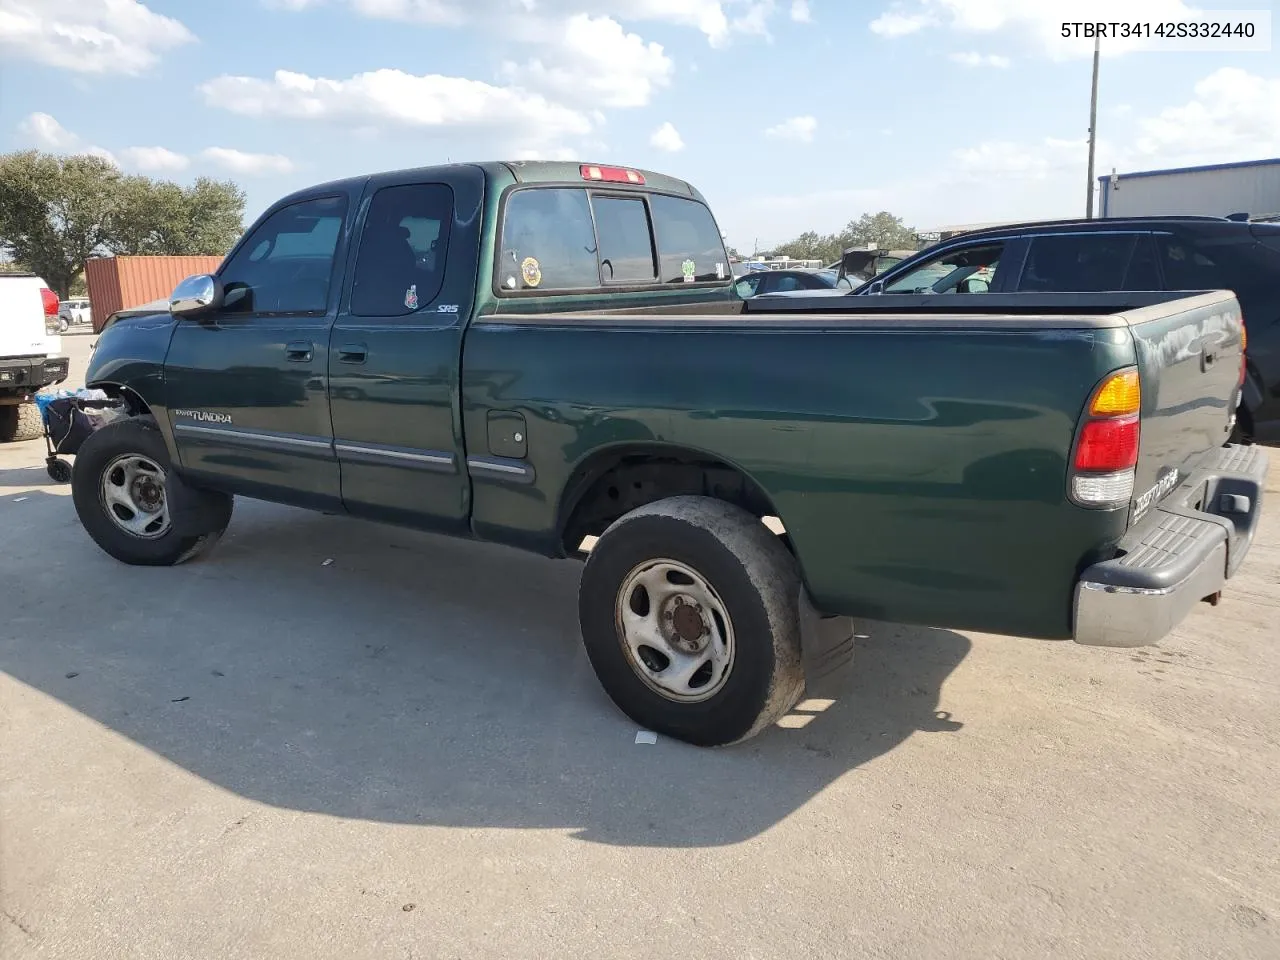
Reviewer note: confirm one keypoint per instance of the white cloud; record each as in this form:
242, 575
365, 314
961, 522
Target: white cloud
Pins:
154, 159
800, 11
248, 164
971, 59
892, 23
88, 36
1037, 24
1011, 160
1233, 115
667, 138
800, 129
593, 60
393, 97
47, 133
715, 19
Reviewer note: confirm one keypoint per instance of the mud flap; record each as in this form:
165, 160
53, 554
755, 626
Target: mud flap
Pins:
195, 512
826, 645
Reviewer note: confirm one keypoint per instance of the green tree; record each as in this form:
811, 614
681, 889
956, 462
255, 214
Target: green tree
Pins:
56, 212
882, 230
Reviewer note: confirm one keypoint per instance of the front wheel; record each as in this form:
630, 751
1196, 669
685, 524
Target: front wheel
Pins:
123, 492
689, 610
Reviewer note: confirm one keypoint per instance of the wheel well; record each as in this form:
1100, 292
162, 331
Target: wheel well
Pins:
134, 405
614, 483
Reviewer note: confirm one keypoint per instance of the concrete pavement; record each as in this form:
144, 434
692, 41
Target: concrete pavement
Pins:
403, 753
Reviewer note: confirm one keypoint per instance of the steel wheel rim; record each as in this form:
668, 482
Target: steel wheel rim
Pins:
132, 490
675, 631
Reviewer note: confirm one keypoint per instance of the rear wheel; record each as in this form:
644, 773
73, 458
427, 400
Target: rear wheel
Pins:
123, 492
690, 617
21, 421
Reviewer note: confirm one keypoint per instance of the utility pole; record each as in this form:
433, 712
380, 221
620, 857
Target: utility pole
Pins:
1093, 125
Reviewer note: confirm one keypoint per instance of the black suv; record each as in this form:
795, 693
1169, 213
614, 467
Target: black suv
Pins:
1146, 253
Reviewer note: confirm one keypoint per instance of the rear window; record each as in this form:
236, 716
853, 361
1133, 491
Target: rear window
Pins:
690, 247
569, 238
626, 245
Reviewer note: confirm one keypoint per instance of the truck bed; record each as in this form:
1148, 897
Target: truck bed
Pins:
916, 453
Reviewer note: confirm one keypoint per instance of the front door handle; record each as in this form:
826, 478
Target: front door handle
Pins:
353, 353
299, 351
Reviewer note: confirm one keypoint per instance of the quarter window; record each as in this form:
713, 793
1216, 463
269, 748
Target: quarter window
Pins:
548, 242
1077, 263
690, 247
405, 242
1187, 268
287, 263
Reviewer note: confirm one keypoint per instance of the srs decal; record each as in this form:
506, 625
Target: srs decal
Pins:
204, 416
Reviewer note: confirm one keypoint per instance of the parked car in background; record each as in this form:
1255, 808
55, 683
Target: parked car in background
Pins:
30, 352
788, 281
1141, 253
74, 312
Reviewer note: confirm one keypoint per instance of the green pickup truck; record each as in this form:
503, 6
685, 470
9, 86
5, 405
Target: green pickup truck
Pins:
550, 356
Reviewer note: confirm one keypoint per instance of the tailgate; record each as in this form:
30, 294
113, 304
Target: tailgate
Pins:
1189, 364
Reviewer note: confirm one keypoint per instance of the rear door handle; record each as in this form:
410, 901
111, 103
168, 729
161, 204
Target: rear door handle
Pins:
353, 353
299, 351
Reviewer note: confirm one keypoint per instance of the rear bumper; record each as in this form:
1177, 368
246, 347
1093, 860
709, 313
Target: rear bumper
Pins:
1182, 552
28, 374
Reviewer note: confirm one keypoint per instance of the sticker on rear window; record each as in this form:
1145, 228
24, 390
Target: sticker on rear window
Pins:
531, 271
689, 269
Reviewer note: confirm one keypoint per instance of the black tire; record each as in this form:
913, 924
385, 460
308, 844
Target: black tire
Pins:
20, 421
63, 325
753, 576
59, 471
197, 517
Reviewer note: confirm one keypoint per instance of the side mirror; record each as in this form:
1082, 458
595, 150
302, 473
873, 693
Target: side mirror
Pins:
876, 288
195, 295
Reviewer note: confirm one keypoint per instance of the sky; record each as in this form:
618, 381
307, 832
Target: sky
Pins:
789, 115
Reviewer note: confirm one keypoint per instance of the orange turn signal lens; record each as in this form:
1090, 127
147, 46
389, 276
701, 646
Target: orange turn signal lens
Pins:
1119, 396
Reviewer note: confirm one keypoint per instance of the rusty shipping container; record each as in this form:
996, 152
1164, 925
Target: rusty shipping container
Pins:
117, 283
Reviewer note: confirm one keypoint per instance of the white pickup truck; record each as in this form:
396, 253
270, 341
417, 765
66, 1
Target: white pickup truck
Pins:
30, 352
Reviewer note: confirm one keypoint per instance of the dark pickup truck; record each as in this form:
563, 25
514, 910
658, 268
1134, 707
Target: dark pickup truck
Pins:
550, 356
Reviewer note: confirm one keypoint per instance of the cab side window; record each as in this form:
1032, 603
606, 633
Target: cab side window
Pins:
400, 266
548, 241
286, 265
959, 270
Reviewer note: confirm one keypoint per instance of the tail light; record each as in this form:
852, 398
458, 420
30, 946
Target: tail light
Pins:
50, 299
1107, 449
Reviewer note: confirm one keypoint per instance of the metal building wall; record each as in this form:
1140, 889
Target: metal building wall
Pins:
1252, 188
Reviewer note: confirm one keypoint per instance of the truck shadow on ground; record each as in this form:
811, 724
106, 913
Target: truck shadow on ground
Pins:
324, 664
